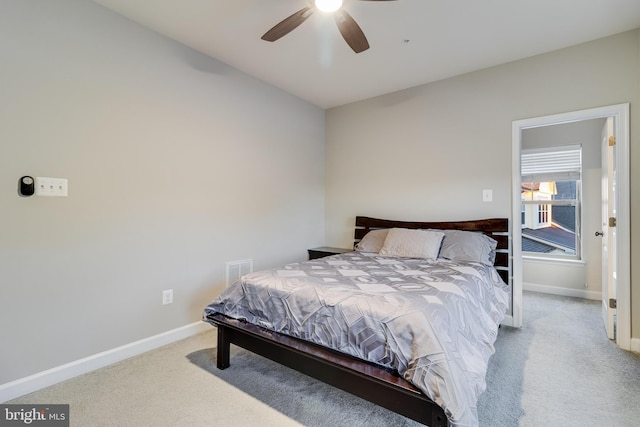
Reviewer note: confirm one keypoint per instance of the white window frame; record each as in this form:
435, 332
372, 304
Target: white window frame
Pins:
563, 168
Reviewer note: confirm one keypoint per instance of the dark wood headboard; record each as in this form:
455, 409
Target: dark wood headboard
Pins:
496, 228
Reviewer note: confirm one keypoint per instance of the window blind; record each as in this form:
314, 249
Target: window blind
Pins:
551, 164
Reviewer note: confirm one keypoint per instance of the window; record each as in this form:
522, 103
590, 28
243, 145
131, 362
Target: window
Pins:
551, 198
543, 215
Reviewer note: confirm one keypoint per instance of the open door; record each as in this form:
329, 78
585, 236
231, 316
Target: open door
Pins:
618, 238
608, 232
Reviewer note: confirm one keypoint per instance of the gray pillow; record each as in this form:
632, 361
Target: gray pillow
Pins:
459, 245
372, 241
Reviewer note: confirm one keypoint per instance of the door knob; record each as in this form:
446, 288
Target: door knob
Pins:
599, 233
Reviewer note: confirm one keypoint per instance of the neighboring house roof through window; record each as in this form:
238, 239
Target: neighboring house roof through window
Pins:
529, 245
552, 236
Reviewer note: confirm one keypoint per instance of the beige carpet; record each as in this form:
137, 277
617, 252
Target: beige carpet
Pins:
158, 388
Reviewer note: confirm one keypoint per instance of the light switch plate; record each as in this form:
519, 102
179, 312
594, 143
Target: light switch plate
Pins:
52, 187
487, 195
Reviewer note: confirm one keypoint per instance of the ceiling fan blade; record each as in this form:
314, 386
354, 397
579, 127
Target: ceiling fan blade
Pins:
287, 25
351, 31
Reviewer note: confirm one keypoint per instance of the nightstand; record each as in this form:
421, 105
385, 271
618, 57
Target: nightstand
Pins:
326, 251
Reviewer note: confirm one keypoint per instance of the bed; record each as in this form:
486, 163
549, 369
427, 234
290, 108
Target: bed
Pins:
403, 329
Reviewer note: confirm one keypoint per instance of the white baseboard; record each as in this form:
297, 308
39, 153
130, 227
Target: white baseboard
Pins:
566, 292
26, 385
635, 345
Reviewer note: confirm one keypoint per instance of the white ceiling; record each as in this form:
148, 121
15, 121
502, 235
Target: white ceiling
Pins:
412, 41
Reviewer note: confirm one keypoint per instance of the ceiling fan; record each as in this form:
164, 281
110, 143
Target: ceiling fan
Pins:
350, 30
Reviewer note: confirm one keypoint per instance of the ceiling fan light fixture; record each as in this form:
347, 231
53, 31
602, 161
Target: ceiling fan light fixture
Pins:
328, 5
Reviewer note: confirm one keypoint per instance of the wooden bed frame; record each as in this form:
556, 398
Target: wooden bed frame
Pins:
364, 379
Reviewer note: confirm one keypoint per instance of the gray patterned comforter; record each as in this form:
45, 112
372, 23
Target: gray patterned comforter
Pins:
434, 321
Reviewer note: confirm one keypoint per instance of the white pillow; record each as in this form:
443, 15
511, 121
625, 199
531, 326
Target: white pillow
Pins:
403, 242
372, 241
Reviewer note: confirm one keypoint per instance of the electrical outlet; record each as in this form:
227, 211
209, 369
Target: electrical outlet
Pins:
167, 297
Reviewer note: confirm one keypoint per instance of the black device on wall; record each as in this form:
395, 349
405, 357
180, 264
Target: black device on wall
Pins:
27, 186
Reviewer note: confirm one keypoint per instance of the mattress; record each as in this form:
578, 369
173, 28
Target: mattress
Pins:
433, 321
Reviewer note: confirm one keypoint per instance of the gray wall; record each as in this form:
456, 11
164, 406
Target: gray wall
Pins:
176, 163
428, 152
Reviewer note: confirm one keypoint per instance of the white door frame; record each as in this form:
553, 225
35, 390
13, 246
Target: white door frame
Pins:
620, 113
